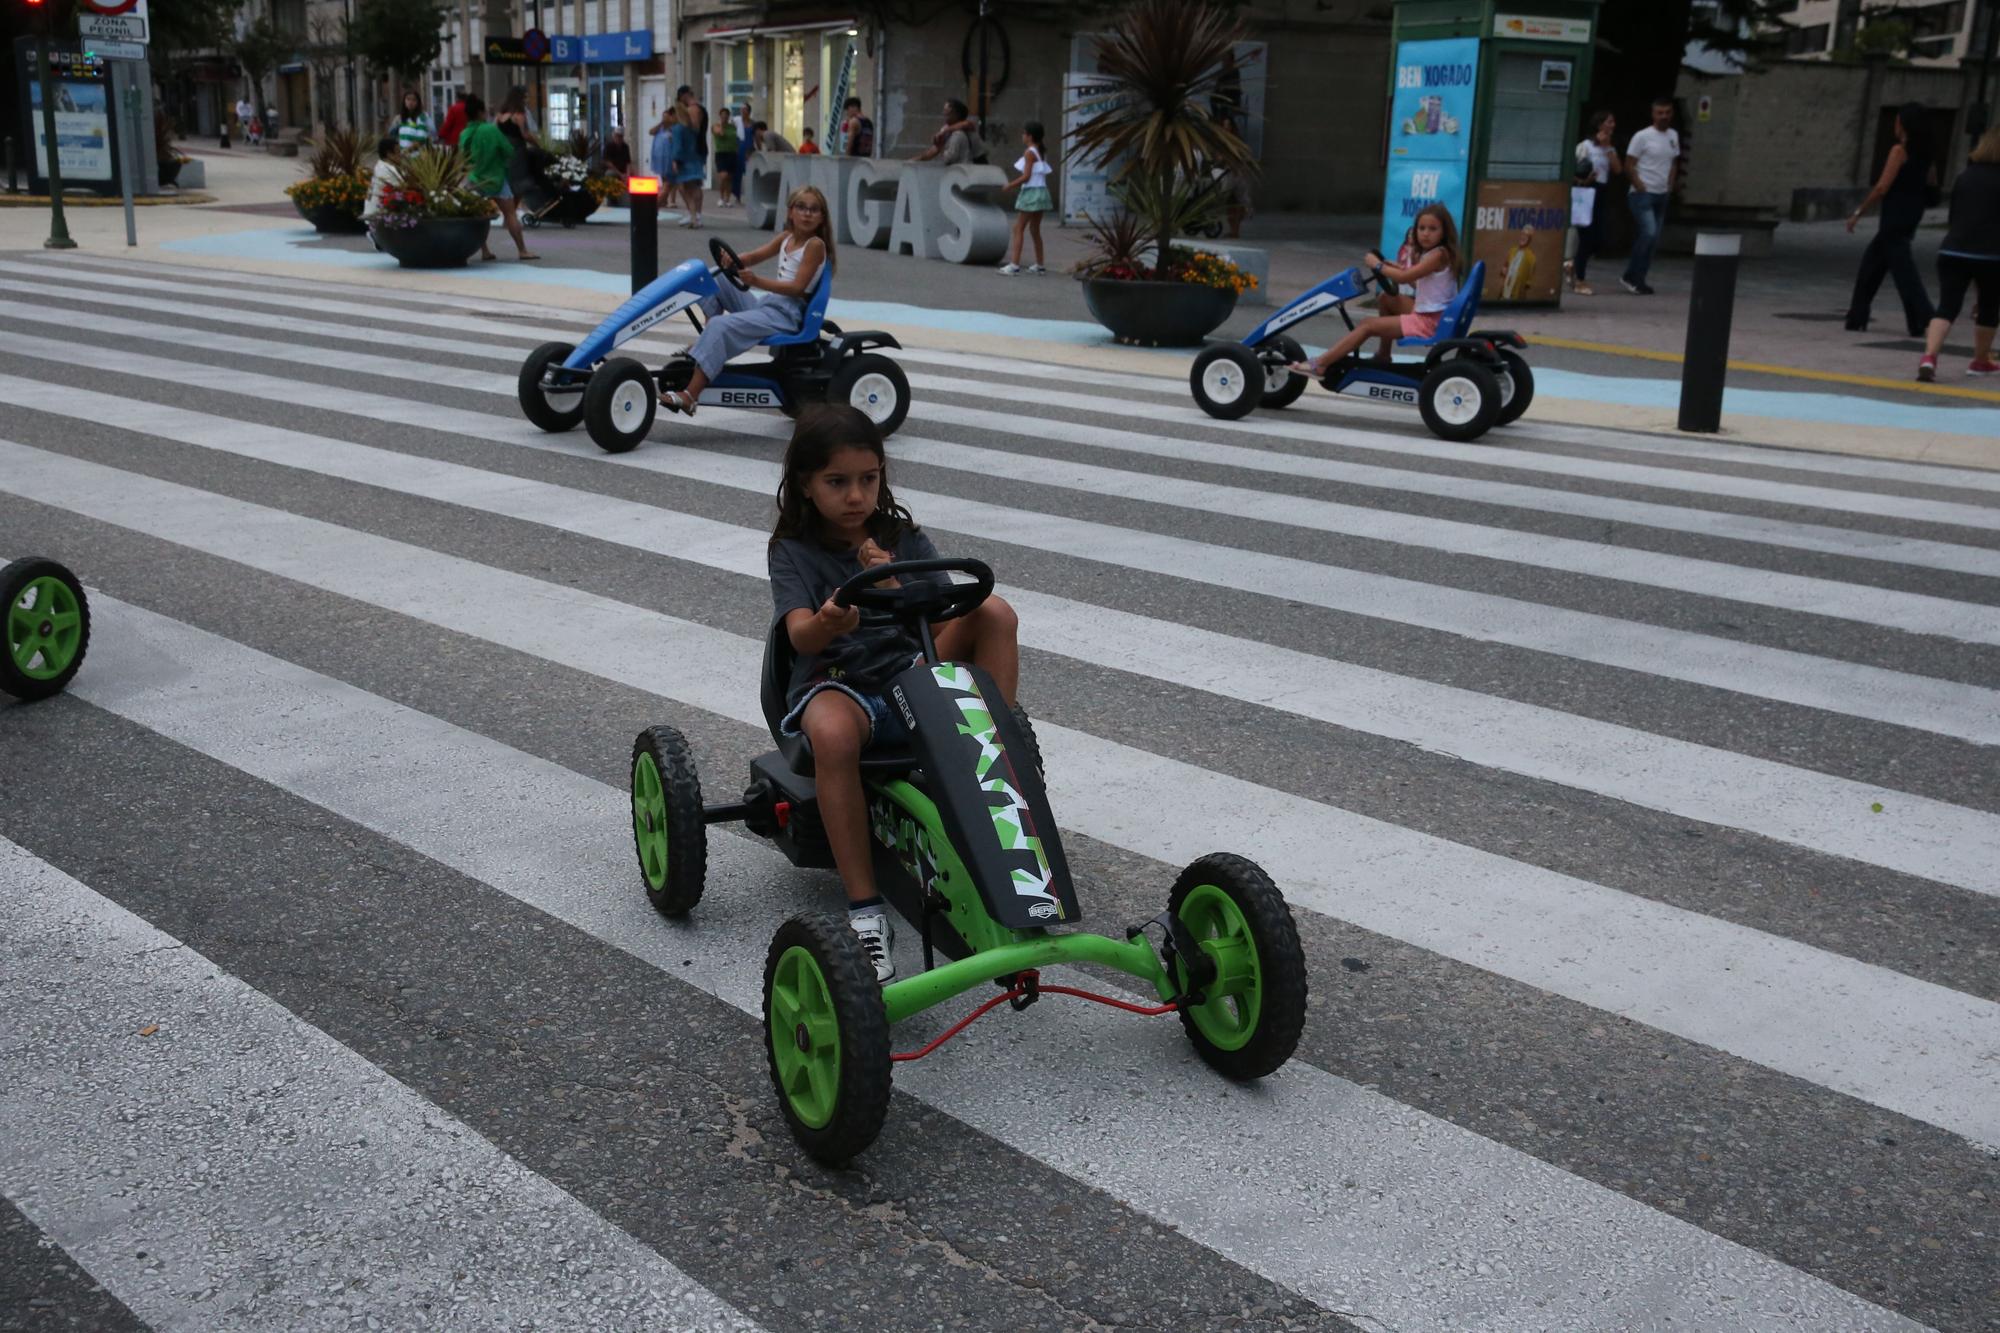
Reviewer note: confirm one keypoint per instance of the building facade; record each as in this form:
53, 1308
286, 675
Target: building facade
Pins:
1942, 32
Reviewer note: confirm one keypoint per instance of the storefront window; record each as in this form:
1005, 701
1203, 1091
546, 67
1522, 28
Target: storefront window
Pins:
565, 111
792, 88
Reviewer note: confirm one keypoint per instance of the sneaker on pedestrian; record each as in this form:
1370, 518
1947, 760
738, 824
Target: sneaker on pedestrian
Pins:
1927, 370
878, 937
1036, 268
1983, 368
1636, 288
1009, 270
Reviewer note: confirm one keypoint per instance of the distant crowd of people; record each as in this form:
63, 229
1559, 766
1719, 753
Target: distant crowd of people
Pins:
686, 141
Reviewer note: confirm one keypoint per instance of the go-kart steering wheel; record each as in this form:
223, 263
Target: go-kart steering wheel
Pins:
1381, 281
921, 600
727, 262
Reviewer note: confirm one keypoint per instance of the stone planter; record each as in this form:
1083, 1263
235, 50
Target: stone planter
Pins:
572, 208
434, 242
331, 220
1157, 314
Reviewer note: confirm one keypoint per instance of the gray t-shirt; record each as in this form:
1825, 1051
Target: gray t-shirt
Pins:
805, 574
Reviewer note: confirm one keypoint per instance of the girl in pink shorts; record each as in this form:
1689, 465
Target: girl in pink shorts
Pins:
1434, 276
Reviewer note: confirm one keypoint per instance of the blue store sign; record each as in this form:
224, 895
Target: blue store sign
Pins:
604, 48
1430, 133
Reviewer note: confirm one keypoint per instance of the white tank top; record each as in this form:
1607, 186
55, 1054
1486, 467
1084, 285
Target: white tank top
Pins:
1039, 176
788, 258
1436, 290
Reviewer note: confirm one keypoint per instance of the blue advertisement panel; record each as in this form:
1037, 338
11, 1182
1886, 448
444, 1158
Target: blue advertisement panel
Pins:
1430, 132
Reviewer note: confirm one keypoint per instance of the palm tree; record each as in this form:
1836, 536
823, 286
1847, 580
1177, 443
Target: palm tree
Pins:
1163, 60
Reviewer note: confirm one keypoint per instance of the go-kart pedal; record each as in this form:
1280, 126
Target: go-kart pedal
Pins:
1469, 380
967, 852
615, 397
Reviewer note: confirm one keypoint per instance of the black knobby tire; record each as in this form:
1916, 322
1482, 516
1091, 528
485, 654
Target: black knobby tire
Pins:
619, 406
46, 629
1027, 726
1293, 384
535, 404
1519, 391
1459, 399
1269, 1040
875, 386
1227, 381
862, 1081
674, 870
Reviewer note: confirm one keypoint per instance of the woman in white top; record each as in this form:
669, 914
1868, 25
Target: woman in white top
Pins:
1604, 162
740, 320
1034, 199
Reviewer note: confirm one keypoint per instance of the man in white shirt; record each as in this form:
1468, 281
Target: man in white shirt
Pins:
1651, 161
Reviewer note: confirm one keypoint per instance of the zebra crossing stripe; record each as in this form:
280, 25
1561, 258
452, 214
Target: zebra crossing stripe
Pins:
1373, 1207
1899, 698
1859, 1029
272, 1156
1931, 839
1171, 385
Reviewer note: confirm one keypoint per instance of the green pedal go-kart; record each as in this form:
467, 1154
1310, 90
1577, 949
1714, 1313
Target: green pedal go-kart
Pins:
966, 851
48, 628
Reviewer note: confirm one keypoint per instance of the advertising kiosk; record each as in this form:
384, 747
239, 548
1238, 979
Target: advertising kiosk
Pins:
1486, 106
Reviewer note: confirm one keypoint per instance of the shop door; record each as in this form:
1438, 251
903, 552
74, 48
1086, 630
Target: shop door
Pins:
607, 106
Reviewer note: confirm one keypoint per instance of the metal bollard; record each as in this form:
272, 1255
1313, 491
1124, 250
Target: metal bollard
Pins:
642, 193
1705, 362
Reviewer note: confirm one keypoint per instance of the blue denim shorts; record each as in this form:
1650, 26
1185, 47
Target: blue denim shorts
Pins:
885, 720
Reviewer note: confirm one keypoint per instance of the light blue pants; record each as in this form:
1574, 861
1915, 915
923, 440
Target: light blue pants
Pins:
738, 321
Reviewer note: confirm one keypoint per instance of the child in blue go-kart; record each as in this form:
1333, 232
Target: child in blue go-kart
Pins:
1468, 380
615, 395
740, 318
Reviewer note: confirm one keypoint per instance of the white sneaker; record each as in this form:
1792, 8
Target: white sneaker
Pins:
1009, 270
878, 937
1036, 268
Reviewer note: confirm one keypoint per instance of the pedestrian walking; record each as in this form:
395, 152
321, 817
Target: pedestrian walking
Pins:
454, 121
487, 152
1034, 200
1652, 162
1598, 163
1970, 257
676, 160
724, 141
412, 128
857, 132
695, 117
246, 115
1907, 185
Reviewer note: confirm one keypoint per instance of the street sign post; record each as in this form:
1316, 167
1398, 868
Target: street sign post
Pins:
118, 50
112, 28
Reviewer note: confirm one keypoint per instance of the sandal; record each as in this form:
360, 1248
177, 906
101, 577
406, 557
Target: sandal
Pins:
529, 259
677, 400
1582, 289
1305, 368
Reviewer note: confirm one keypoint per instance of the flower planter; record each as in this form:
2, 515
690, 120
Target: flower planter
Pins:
434, 242
332, 220
1157, 314
572, 208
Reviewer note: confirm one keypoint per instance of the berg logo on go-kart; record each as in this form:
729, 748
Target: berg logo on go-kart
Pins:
1012, 820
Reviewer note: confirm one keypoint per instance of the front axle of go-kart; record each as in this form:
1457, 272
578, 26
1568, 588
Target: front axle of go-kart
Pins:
1221, 967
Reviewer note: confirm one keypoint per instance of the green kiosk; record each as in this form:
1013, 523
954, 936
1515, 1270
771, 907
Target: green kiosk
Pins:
1486, 105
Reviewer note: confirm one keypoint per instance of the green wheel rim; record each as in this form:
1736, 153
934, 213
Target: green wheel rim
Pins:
805, 1038
649, 820
1228, 1018
45, 626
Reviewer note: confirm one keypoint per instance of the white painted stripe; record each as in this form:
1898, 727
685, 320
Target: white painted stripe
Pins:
1898, 698
279, 1179
1914, 835
1373, 1207
1912, 613
1482, 454
442, 310
1842, 1024
509, 342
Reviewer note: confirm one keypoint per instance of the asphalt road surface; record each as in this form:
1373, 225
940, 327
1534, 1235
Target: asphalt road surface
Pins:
1637, 801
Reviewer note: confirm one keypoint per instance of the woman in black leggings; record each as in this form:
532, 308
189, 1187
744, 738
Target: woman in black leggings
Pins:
1908, 177
1970, 257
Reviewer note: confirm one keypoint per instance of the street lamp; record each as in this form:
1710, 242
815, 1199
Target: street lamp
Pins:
59, 237
347, 40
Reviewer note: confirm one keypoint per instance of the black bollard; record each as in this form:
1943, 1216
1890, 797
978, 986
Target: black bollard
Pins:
642, 193
1705, 363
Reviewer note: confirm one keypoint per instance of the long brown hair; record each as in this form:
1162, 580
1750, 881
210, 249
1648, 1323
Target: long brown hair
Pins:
1448, 233
825, 232
820, 431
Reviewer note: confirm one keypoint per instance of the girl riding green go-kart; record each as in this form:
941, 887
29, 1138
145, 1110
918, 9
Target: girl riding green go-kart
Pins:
904, 763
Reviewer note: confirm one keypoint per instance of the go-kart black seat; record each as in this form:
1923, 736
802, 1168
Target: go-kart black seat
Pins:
797, 750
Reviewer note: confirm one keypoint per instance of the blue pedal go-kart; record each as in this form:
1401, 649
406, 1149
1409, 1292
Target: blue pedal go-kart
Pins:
615, 397
1468, 381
